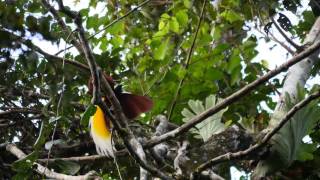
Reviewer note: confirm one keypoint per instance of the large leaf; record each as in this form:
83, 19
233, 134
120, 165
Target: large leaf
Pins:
287, 143
210, 126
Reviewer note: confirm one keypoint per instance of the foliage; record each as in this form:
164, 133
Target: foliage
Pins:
146, 52
212, 125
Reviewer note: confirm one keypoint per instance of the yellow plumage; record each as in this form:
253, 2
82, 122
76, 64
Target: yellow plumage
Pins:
101, 133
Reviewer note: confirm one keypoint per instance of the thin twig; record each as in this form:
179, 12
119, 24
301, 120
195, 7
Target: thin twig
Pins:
115, 157
58, 105
120, 18
290, 41
263, 142
273, 38
282, 44
316, 3
186, 65
233, 97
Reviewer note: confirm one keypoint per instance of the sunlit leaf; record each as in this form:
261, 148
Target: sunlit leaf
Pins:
210, 126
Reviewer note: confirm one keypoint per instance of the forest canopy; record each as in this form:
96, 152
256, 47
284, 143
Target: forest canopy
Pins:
216, 103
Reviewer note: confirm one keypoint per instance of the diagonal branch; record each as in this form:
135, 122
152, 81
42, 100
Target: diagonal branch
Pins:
290, 41
282, 44
13, 149
48, 56
264, 141
120, 18
233, 97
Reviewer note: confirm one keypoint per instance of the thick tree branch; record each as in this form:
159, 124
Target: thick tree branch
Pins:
13, 149
263, 142
233, 97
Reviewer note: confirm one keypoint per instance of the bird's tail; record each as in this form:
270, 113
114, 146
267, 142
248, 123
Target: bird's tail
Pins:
101, 133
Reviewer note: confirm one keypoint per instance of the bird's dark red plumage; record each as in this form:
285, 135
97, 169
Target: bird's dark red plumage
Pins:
132, 105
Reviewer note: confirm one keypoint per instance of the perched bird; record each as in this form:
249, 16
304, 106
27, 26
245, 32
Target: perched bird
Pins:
100, 126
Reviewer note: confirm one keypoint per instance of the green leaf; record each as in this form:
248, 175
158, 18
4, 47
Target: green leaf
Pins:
235, 75
231, 16
306, 152
161, 25
117, 41
181, 73
25, 164
91, 109
92, 21
234, 63
160, 52
187, 3
265, 63
213, 74
210, 126
174, 25
116, 28
68, 167
216, 33
182, 17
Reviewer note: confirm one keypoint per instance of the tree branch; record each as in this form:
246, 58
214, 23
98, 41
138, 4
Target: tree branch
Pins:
84, 158
273, 38
20, 110
13, 149
48, 56
290, 41
282, 44
263, 142
233, 97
